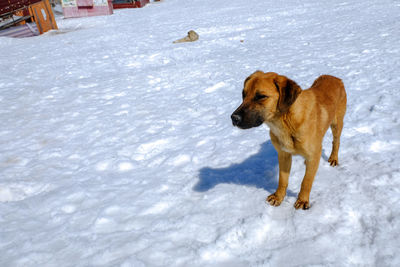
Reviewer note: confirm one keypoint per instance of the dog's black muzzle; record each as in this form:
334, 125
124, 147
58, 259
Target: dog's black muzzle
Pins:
245, 120
236, 119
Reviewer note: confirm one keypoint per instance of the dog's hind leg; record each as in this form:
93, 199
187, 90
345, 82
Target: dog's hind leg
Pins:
336, 127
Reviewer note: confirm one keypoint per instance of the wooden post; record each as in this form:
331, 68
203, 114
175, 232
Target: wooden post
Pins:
43, 16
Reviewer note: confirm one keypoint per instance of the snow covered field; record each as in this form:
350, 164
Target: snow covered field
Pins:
117, 149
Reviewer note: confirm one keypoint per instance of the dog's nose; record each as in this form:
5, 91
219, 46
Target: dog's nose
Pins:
236, 119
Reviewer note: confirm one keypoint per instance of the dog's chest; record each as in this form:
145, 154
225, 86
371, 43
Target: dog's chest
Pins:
287, 142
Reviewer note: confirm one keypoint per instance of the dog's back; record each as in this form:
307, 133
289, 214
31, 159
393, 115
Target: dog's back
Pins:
329, 90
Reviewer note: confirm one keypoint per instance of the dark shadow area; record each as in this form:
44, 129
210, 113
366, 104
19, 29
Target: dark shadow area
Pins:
259, 170
325, 155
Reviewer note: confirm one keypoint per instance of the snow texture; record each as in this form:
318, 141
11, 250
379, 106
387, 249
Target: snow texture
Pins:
117, 147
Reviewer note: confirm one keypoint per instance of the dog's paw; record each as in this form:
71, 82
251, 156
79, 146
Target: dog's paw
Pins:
274, 200
302, 204
333, 161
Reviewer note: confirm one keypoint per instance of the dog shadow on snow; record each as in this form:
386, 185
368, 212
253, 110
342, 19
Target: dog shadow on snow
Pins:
259, 170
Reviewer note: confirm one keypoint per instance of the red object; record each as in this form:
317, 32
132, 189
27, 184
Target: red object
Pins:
135, 4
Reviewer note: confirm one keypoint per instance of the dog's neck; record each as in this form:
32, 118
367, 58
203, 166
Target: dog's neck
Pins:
282, 122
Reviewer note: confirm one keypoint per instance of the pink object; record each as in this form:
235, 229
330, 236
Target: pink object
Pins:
85, 8
84, 3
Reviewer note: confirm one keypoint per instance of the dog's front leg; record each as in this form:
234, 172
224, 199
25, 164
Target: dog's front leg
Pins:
285, 163
303, 199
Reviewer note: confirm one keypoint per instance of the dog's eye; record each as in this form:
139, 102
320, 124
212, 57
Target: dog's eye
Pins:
243, 94
259, 97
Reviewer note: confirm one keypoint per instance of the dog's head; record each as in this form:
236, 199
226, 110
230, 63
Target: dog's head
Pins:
266, 96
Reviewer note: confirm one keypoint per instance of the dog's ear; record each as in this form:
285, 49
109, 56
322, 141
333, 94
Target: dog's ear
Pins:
288, 92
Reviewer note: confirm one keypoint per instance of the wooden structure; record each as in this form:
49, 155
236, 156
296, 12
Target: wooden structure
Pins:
8, 7
25, 30
129, 3
17, 17
85, 8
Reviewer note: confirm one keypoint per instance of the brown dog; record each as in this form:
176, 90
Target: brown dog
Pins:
298, 120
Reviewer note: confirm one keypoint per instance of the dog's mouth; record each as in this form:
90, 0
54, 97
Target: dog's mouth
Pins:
248, 126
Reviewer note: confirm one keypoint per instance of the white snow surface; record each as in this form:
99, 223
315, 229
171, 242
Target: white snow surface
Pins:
117, 147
